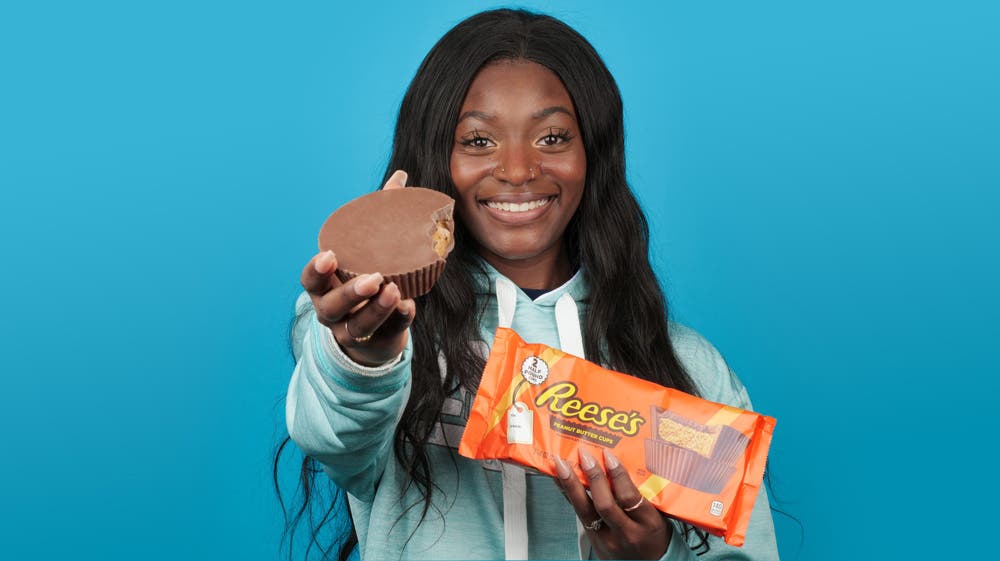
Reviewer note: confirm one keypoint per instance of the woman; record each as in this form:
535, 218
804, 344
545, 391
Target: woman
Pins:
515, 116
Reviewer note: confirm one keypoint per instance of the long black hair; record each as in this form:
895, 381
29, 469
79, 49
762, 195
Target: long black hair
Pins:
625, 327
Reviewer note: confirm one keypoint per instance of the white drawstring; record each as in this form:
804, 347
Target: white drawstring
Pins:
568, 324
571, 341
515, 512
506, 301
515, 488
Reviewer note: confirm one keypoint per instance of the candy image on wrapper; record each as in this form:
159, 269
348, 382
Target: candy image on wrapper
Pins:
692, 454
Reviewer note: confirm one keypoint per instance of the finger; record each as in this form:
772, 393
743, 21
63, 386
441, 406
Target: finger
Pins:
401, 318
626, 494
574, 492
333, 305
375, 317
317, 276
397, 180
601, 494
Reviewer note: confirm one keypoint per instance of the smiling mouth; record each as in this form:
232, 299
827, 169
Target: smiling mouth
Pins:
518, 207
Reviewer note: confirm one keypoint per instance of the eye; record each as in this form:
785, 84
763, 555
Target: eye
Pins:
555, 136
476, 139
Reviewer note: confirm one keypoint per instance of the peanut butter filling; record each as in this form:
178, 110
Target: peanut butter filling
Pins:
441, 238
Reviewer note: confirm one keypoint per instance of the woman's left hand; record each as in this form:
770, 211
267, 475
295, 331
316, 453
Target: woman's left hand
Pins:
620, 523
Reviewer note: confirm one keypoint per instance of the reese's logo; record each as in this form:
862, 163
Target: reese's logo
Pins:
561, 399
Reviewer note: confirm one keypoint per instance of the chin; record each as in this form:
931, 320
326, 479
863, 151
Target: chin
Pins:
518, 252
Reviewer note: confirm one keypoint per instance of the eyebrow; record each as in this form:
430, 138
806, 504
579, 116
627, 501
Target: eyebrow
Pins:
550, 110
483, 116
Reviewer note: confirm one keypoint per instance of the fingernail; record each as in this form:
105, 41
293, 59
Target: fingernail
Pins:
389, 295
368, 284
403, 308
562, 468
396, 180
586, 460
610, 460
324, 262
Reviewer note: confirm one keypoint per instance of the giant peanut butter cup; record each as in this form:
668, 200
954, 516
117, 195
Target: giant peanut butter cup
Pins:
405, 234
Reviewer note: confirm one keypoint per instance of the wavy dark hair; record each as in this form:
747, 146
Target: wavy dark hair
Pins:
624, 328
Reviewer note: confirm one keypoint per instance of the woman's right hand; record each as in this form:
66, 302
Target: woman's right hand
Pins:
369, 320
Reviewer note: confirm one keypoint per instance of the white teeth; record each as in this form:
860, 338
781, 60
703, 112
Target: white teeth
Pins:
518, 207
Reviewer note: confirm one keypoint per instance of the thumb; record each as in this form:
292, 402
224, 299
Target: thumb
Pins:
396, 181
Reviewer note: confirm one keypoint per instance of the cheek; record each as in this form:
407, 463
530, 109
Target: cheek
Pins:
569, 168
466, 171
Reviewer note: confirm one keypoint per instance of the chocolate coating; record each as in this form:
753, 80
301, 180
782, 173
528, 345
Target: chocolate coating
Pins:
391, 232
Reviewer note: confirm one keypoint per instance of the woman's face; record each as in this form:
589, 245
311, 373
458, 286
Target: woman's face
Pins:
519, 164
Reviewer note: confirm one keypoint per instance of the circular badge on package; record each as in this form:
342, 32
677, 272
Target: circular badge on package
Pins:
534, 370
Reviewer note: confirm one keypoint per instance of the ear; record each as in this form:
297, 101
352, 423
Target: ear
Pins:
396, 181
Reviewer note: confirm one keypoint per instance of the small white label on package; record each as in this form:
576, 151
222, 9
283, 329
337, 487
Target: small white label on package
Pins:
520, 429
535, 370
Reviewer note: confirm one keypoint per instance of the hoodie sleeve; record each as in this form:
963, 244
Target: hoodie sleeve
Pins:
340, 413
717, 382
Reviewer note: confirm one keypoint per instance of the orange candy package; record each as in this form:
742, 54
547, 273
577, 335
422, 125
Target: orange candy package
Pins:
695, 460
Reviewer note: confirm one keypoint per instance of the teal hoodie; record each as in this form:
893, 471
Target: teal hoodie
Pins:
344, 415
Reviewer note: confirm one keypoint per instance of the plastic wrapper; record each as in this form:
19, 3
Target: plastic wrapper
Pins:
697, 461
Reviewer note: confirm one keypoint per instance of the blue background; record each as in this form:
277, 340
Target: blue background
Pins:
821, 180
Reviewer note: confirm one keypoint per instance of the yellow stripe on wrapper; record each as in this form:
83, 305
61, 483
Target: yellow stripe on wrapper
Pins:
550, 357
652, 486
725, 416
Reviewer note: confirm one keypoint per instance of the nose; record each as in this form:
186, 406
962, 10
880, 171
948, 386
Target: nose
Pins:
516, 165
